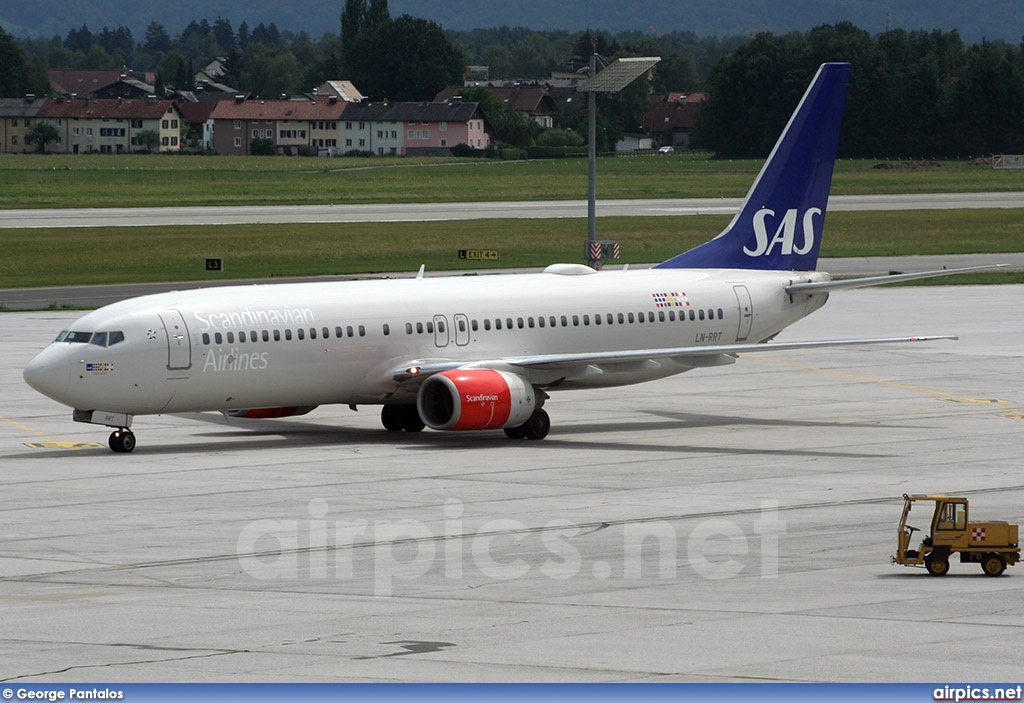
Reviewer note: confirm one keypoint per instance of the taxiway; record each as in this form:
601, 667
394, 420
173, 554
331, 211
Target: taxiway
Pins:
727, 524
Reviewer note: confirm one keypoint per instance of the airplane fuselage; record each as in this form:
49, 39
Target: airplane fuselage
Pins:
302, 345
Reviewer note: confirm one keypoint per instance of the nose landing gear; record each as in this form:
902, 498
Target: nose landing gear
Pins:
122, 441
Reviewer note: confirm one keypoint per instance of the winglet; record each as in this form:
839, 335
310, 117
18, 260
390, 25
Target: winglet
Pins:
779, 224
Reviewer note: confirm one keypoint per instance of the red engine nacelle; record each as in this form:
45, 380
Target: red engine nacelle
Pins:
268, 413
475, 399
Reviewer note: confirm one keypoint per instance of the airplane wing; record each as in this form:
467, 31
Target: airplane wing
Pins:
693, 356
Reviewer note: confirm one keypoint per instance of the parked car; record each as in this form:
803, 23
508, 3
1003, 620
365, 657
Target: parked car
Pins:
666, 150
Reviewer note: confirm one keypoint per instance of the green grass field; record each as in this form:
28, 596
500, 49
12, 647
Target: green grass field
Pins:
121, 255
153, 180
48, 257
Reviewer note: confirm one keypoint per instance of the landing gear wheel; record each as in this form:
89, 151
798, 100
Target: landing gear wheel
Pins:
993, 564
410, 418
122, 441
391, 418
538, 426
517, 432
937, 565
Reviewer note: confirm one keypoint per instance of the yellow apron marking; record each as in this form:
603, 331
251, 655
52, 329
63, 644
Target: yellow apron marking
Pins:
1006, 408
48, 442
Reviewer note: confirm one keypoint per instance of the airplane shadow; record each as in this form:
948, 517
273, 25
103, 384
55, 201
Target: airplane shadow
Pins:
230, 435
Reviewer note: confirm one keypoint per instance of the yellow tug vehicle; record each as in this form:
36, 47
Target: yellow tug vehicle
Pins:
994, 545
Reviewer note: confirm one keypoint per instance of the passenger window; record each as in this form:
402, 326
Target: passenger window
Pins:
348, 330
487, 324
312, 332
671, 315
408, 329
552, 322
661, 316
266, 336
362, 331
621, 319
288, 335
565, 321
387, 329
252, 336
217, 338
475, 325
326, 332
300, 333
519, 322
241, 337
640, 317
231, 337
629, 316
529, 322
597, 319
277, 335
206, 337
693, 316
721, 314
508, 322
540, 320
419, 328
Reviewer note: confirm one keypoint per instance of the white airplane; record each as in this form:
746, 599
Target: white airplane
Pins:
472, 352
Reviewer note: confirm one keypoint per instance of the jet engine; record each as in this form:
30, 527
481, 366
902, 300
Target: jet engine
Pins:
475, 399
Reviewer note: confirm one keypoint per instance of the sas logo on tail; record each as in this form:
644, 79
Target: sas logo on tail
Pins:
785, 232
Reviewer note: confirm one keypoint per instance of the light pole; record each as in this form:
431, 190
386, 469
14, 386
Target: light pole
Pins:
615, 77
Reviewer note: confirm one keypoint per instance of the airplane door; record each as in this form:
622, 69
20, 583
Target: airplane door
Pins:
441, 331
461, 329
179, 349
746, 312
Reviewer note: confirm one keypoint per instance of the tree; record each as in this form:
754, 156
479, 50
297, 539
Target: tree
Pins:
157, 40
41, 134
148, 139
13, 78
404, 59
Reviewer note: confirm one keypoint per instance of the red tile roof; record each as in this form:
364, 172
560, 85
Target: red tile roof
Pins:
298, 110
105, 109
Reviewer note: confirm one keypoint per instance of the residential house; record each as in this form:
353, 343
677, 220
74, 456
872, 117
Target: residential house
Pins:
432, 129
80, 82
671, 121
371, 128
343, 90
198, 132
292, 126
125, 88
532, 101
17, 117
111, 126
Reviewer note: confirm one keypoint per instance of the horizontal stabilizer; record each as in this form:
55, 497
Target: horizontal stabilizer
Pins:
880, 280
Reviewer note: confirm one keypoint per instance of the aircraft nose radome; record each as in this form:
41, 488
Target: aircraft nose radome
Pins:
50, 372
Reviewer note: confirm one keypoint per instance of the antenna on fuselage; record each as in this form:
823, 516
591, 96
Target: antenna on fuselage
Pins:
419, 275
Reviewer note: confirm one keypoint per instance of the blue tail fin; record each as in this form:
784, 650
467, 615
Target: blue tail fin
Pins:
779, 225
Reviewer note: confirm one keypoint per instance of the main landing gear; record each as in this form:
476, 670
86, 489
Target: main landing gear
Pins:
122, 441
397, 418
537, 427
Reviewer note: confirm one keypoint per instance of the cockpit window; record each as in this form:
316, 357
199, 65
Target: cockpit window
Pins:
100, 339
